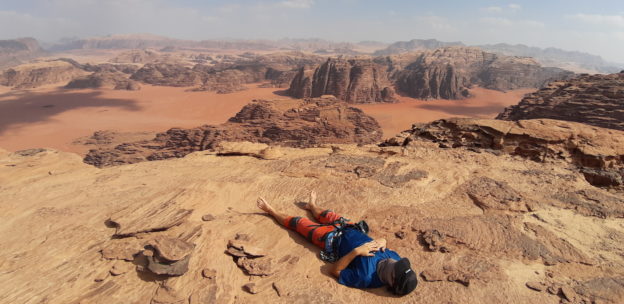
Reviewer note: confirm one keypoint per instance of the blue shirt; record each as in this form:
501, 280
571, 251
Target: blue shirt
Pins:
362, 272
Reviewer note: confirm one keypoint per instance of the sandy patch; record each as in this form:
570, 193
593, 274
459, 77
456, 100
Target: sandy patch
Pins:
54, 117
397, 117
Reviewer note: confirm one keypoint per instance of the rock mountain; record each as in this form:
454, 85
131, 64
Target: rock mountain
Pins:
596, 100
16, 51
291, 123
446, 73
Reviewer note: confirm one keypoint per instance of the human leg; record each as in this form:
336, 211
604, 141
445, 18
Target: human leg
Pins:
324, 216
278, 216
311, 230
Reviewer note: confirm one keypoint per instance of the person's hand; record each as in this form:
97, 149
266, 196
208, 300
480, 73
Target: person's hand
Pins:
367, 249
381, 243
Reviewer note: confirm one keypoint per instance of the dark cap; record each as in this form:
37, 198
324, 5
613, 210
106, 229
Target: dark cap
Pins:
405, 280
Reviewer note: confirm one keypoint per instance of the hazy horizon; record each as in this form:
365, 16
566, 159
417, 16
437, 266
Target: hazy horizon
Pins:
569, 25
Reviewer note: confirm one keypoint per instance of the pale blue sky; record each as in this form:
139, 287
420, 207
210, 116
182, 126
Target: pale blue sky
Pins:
591, 26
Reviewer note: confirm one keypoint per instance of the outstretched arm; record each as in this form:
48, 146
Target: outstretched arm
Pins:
366, 249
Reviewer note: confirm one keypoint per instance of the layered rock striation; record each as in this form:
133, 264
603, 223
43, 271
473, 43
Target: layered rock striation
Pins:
596, 152
355, 81
291, 123
597, 100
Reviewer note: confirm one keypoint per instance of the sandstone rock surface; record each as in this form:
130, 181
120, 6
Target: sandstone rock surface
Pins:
449, 73
446, 73
595, 152
493, 247
109, 80
292, 123
596, 100
355, 81
33, 75
16, 51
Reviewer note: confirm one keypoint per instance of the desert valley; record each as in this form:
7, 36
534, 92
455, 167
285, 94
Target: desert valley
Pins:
130, 166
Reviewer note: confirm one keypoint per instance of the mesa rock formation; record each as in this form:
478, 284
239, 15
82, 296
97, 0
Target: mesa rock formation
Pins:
446, 73
355, 81
33, 75
596, 100
17, 51
226, 75
110, 80
291, 123
596, 152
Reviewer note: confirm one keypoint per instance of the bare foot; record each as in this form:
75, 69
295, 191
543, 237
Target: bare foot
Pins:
264, 205
312, 204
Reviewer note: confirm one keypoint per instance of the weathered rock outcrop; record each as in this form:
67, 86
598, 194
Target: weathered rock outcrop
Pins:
110, 80
448, 73
167, 74
478, 228
355, 81
228, 74
292, 123
596, 100
109, 67
140, 56
596, 152
41, 73
16, 51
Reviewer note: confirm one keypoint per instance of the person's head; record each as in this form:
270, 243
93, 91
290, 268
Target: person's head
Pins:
405, 279
399, 275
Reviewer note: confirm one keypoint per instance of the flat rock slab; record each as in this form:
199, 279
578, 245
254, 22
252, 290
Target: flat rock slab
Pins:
170, 269
172, 249
148, 217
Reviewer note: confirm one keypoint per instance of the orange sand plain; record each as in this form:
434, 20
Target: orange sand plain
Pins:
53, 117
397, 117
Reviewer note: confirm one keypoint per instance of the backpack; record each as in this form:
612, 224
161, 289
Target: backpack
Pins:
341, 225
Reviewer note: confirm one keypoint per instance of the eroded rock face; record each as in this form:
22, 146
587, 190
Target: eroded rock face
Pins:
33, 75
110, 80
355, 81
168, 74
15, 51
292, 123
448, 73
596, 100
598, 153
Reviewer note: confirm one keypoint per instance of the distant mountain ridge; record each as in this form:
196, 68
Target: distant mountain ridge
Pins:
143, 41
17, 51
415, 45
552, 57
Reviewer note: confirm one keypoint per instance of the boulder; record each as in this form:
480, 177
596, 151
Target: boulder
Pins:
172, 249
